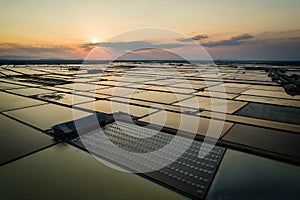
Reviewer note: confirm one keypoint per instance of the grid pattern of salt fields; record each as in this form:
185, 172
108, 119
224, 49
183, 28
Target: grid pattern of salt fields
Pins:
259, 139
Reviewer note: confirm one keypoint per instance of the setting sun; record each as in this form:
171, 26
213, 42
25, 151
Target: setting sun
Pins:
94, 40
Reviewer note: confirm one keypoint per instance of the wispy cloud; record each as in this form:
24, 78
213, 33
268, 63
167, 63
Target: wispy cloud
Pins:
15, 47
194, 38
43, 50
265, 45
131, 45
150, 54
233, 41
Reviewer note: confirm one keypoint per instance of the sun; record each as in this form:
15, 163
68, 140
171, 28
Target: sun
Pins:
94, 40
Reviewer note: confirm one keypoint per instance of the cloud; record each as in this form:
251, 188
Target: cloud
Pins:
279, 34
131, 45
242, 37
233, 41
150, 54
263, 48
34, 49
191, 39
265, 45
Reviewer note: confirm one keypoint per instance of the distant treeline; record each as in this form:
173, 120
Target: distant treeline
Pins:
219, 62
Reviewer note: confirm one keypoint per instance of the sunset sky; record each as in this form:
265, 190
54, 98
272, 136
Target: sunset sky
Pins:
231, 29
